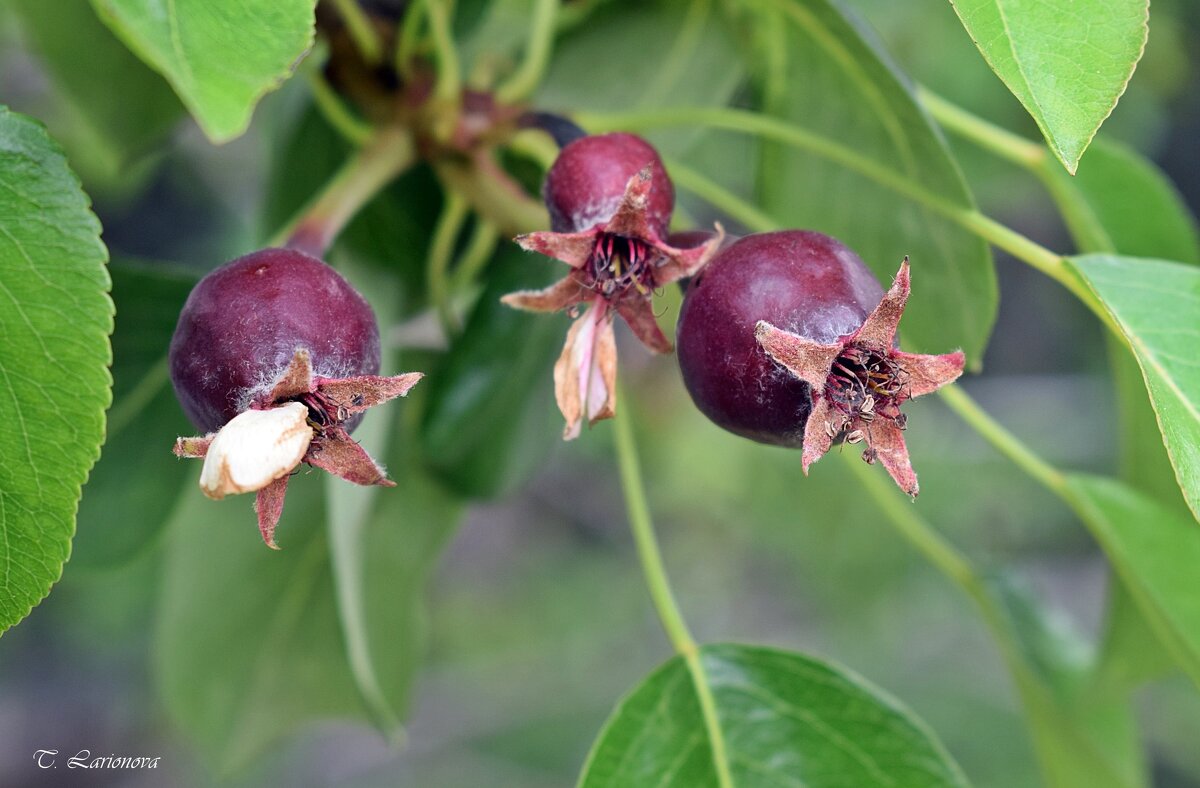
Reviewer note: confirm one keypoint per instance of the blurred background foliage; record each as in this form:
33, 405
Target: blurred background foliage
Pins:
521, 610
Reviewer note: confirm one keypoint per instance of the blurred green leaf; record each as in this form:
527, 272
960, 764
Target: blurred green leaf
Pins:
86, 62
787, 719
1135, 209
392, 231
220, 57
491, 418
1155, 552
250, 644
1067, 62
349, 515
677, 53
131, 490
55, 321
840, 85
1120, 202
1083, 739
1157, 306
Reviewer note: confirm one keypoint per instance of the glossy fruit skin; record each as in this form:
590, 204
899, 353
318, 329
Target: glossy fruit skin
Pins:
243, 322
798, 280
586, 182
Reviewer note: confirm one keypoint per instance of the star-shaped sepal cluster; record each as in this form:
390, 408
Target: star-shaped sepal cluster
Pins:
615, 267
302, 418
859, 383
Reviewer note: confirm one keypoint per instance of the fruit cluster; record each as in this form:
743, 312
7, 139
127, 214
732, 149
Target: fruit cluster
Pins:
784, 338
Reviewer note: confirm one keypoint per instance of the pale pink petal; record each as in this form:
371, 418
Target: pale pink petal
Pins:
586, 370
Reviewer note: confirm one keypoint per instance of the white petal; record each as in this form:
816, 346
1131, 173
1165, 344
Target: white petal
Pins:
254, 449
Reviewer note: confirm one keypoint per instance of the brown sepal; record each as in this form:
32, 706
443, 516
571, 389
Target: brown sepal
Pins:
194, 448
268, 505
336, 452
357, 394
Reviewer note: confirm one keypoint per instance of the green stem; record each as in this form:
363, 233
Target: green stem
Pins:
361, 31
389, 153
409, 35
335, 111
441, 250
479, 250
134, 401
719, 197
493, 194
1037, 256
1003, 440
660, 588
999, 141
537, 54
449, 82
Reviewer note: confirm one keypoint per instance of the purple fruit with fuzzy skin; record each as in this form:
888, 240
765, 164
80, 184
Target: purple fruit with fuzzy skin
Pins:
587, 181
242, 324
800, 281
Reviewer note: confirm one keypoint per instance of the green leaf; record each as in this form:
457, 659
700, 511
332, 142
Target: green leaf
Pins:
55, 320
132, 488
1156, 304
86, 61
250, 642
1155, 552
1067, 61
491, 418
787, 719
644, 55
220, 57
837, 84
1083, 738
1120, 202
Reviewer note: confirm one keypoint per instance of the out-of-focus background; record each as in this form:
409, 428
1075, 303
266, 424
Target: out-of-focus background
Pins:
537, 617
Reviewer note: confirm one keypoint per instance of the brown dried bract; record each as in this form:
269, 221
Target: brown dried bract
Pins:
859, 383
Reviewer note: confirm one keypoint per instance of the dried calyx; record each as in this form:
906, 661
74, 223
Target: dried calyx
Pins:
610, 202
860, 382
274, 359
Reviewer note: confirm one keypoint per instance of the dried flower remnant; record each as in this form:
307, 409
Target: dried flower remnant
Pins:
618, 258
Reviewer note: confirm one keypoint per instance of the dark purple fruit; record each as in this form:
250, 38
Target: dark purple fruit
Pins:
244, 322
801, 281
587, 182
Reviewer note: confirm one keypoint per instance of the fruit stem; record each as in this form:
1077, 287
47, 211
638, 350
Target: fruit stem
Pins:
920, 534
717, 196
528, 76
1048, 262
1004, 441
335, 112
655, 573
493, 194
358, 25
441, 249
389, 153
999, 141
449, 78
479, 250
